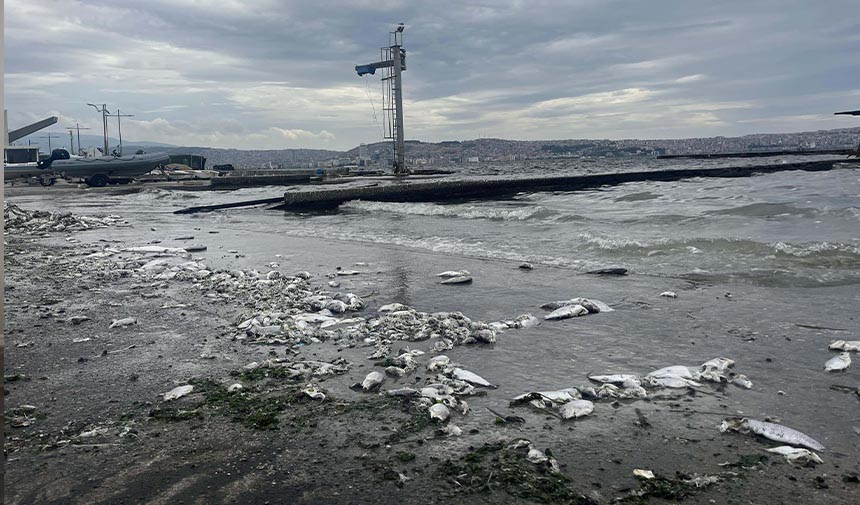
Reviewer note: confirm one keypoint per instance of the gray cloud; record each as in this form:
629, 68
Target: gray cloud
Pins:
271, 74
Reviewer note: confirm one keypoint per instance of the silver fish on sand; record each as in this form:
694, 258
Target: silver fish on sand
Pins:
796, 454
576, 408
771, 431
838, 363
122, 323
463, 279
845, 345
177, 392
372, 381
566, 312
440, 412
471, 377
619, 379
454, 273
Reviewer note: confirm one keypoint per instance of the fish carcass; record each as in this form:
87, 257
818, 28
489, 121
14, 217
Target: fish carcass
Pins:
838, 363
566, 312
771, 431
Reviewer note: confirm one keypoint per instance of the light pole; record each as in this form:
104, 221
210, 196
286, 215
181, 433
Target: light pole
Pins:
49, 137
78, 128
119, 126
104, 112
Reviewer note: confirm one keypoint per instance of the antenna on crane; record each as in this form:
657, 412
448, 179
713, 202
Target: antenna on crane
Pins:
392, 63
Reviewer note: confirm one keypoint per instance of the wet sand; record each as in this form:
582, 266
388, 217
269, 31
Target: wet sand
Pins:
354, 447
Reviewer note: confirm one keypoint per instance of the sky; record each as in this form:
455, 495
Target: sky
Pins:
278, 74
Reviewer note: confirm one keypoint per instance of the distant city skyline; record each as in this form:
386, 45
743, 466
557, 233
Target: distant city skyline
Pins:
278, 74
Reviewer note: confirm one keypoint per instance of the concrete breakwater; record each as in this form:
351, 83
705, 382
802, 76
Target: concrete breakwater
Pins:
493, 187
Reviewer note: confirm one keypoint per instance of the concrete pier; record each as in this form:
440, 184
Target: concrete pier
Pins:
445, 189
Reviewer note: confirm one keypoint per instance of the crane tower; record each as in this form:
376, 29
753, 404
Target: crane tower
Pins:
393, 63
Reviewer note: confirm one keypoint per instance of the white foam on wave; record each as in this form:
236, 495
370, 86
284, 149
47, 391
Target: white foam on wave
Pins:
446, 245
464, 211
613, 244
825, 251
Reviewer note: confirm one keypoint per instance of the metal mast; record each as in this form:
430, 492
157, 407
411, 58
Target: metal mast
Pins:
104, 112
392, 63
78, 128
49, 137
119, 127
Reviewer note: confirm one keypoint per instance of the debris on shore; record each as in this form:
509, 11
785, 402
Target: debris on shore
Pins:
33, 222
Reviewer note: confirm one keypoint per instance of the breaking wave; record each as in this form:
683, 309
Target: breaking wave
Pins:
166, 194
448, 245
825, 254
465, 211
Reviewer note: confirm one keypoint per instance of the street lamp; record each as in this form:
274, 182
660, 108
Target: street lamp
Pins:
104, 112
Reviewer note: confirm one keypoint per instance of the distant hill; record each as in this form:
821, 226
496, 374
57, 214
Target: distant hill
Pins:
493, 149
61, 139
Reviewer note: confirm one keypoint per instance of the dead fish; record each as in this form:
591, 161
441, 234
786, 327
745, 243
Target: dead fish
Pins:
465, 279
560, 396
336, 306
526, 266
195, 248
840, 345
454, 273
348, 272
770, 431
526, 321
372, 381
672, 382
576, 408
718, 364
313, 392
742, 381
472, 378
122, 323
593, 306
608, 271
334, 284
154, 249
452, 430
392, 307
539, 457
643, 474
403, 392
669, 294
620, 379
567, 312
796, 454
438, 363
839, 362
234, 388
440, 412
395, 371
672, 371
177, 392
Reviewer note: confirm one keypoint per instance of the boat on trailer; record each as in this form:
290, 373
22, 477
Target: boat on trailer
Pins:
99, 172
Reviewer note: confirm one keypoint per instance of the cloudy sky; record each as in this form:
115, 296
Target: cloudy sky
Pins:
257, 74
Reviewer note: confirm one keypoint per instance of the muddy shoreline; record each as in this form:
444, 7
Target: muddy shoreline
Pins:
99, 431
